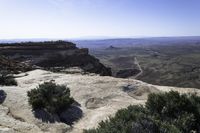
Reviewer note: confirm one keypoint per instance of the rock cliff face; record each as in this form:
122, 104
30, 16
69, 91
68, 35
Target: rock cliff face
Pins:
55, 54
12, 66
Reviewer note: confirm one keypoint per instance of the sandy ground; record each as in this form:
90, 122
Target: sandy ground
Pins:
99, 97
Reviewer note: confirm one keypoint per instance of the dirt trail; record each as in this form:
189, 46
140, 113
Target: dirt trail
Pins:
138, 65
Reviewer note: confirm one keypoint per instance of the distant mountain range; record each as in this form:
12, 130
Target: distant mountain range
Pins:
117, 42
126, 42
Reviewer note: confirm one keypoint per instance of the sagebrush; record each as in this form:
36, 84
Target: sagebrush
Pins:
163, 113
51, 97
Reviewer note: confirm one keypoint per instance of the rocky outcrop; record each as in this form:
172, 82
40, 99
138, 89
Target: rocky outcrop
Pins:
12, 66
97, 97
127, 73
112, 48
54, 54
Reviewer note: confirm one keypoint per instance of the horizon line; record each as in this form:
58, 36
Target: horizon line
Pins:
97, 38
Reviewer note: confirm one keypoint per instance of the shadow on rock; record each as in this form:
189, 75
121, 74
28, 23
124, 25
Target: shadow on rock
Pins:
139, 92
71, 115
46, 116
2, 96
68, 116
128, 88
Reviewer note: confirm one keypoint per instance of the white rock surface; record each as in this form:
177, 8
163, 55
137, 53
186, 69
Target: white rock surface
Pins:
99, 97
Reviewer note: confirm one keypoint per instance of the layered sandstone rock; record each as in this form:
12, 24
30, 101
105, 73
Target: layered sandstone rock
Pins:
11, 66
54, 54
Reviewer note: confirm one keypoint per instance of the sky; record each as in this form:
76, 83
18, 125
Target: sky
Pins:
22, 19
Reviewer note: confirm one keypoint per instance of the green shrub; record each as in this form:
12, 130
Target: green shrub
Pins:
6, 79
163, 113
183, 111
50, 97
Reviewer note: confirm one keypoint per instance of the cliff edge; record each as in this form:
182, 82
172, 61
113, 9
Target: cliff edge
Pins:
97, 97
54, 55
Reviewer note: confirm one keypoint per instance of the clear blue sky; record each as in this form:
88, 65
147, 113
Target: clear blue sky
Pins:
94, 18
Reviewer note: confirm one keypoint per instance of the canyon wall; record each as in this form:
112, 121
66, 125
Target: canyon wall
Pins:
53, 54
